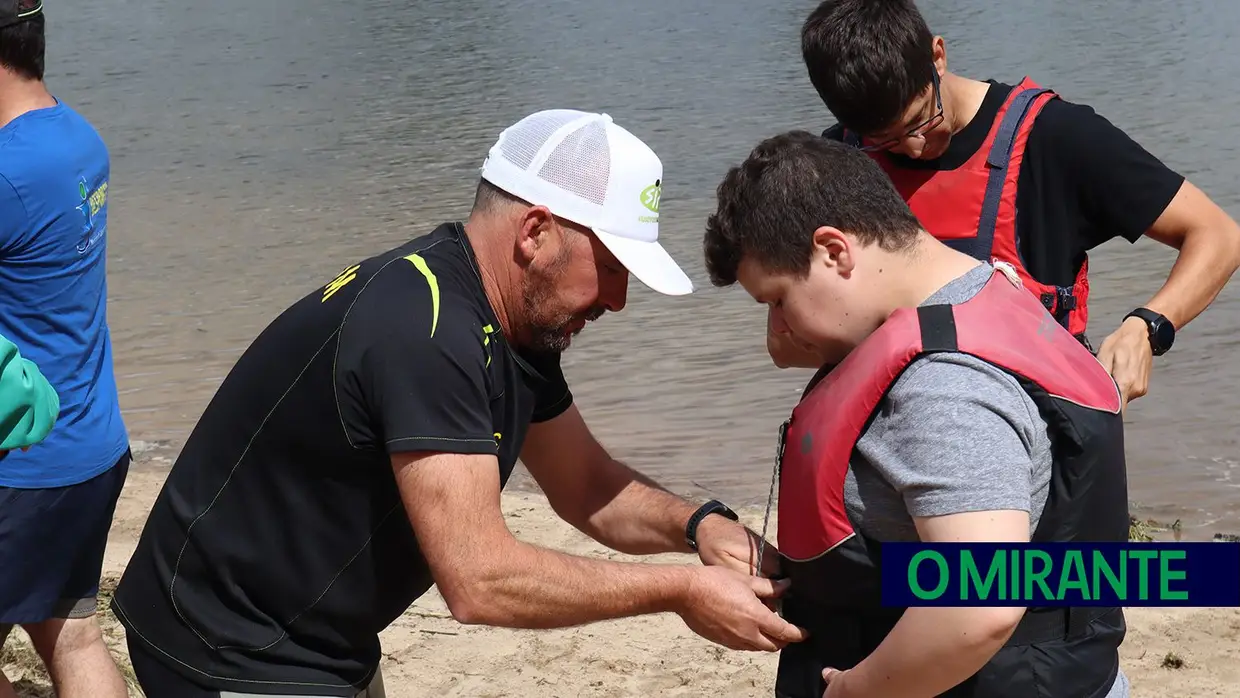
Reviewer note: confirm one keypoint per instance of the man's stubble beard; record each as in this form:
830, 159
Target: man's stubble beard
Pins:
546, 326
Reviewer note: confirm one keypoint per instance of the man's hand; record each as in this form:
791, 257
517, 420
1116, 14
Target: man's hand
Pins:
785, 352
835, 683
1129, 358
726, 543
488, 577
727, 608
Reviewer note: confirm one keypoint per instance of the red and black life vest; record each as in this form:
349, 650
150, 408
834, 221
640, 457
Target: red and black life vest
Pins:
835, 569
973, 208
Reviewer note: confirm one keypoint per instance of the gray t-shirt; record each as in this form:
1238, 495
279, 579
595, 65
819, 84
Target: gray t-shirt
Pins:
954, 434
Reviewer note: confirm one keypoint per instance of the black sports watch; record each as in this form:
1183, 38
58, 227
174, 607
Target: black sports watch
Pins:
1162, 332
714, 506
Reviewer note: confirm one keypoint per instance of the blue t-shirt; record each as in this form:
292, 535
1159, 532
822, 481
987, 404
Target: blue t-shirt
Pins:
54, 172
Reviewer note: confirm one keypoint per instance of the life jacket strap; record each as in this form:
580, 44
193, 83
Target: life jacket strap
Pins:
1051, 624
997, 159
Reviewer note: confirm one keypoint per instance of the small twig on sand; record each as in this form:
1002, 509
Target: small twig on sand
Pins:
427, 614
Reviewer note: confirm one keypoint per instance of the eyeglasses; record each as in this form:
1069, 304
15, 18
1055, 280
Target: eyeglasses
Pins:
920, 130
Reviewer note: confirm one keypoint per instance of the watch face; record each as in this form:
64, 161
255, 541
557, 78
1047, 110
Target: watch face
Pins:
1164, 334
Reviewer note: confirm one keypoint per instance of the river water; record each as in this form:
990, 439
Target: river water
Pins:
259, 147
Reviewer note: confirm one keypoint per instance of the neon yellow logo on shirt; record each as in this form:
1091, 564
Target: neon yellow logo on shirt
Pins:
96, 199
431, 280
339, 282
91, 206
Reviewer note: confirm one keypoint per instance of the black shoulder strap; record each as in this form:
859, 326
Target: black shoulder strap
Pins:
938, 328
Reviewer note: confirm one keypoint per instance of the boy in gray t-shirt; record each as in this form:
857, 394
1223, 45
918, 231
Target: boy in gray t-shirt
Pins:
955, 449
953, 434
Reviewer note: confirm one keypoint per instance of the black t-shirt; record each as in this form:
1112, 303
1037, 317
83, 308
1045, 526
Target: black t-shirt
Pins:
1082, 182
279, 547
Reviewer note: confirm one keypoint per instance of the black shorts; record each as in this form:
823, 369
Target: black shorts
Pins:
51, 547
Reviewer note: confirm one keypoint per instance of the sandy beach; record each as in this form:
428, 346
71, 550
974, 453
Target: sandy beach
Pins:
1187, 653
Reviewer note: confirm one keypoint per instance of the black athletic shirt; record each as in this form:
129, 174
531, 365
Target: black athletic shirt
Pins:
279, 548
1082, 182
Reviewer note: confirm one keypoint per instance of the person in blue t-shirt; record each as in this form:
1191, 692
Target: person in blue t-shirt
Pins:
56, 499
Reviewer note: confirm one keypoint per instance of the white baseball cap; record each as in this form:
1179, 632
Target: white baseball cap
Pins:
586, 169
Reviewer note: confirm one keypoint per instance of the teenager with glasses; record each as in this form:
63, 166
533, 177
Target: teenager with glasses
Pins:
1018, 174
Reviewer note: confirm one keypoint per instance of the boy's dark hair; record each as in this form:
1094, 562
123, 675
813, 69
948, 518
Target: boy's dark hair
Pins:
23, 46
868, 59
791, 185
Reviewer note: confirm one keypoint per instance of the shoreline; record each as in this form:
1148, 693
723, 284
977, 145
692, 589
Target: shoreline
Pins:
1169, 651
159, 456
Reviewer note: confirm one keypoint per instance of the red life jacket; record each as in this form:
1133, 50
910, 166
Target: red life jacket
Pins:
973, 207
835, 569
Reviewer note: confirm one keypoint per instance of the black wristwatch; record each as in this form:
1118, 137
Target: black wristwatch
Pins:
714, 506
1162, 332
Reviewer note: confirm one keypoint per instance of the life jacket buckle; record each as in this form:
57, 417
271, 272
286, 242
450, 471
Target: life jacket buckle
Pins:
1067, 299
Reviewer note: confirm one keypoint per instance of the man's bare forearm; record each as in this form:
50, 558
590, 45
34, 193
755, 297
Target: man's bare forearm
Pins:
526, 586
629, 512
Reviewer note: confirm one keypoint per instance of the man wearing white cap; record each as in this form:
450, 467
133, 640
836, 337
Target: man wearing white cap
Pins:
355, 454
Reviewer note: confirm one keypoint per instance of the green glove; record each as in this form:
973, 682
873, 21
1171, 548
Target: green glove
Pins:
29, 405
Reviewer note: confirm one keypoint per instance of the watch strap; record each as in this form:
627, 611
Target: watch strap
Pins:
714, 506
1149, 316
1153, 320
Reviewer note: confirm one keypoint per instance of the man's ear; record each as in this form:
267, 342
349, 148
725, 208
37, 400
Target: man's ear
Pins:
834, 249
535, 226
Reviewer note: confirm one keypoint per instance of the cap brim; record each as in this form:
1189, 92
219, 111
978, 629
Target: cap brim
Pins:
649, 262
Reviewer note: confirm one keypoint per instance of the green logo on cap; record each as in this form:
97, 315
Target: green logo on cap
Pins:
650, 196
